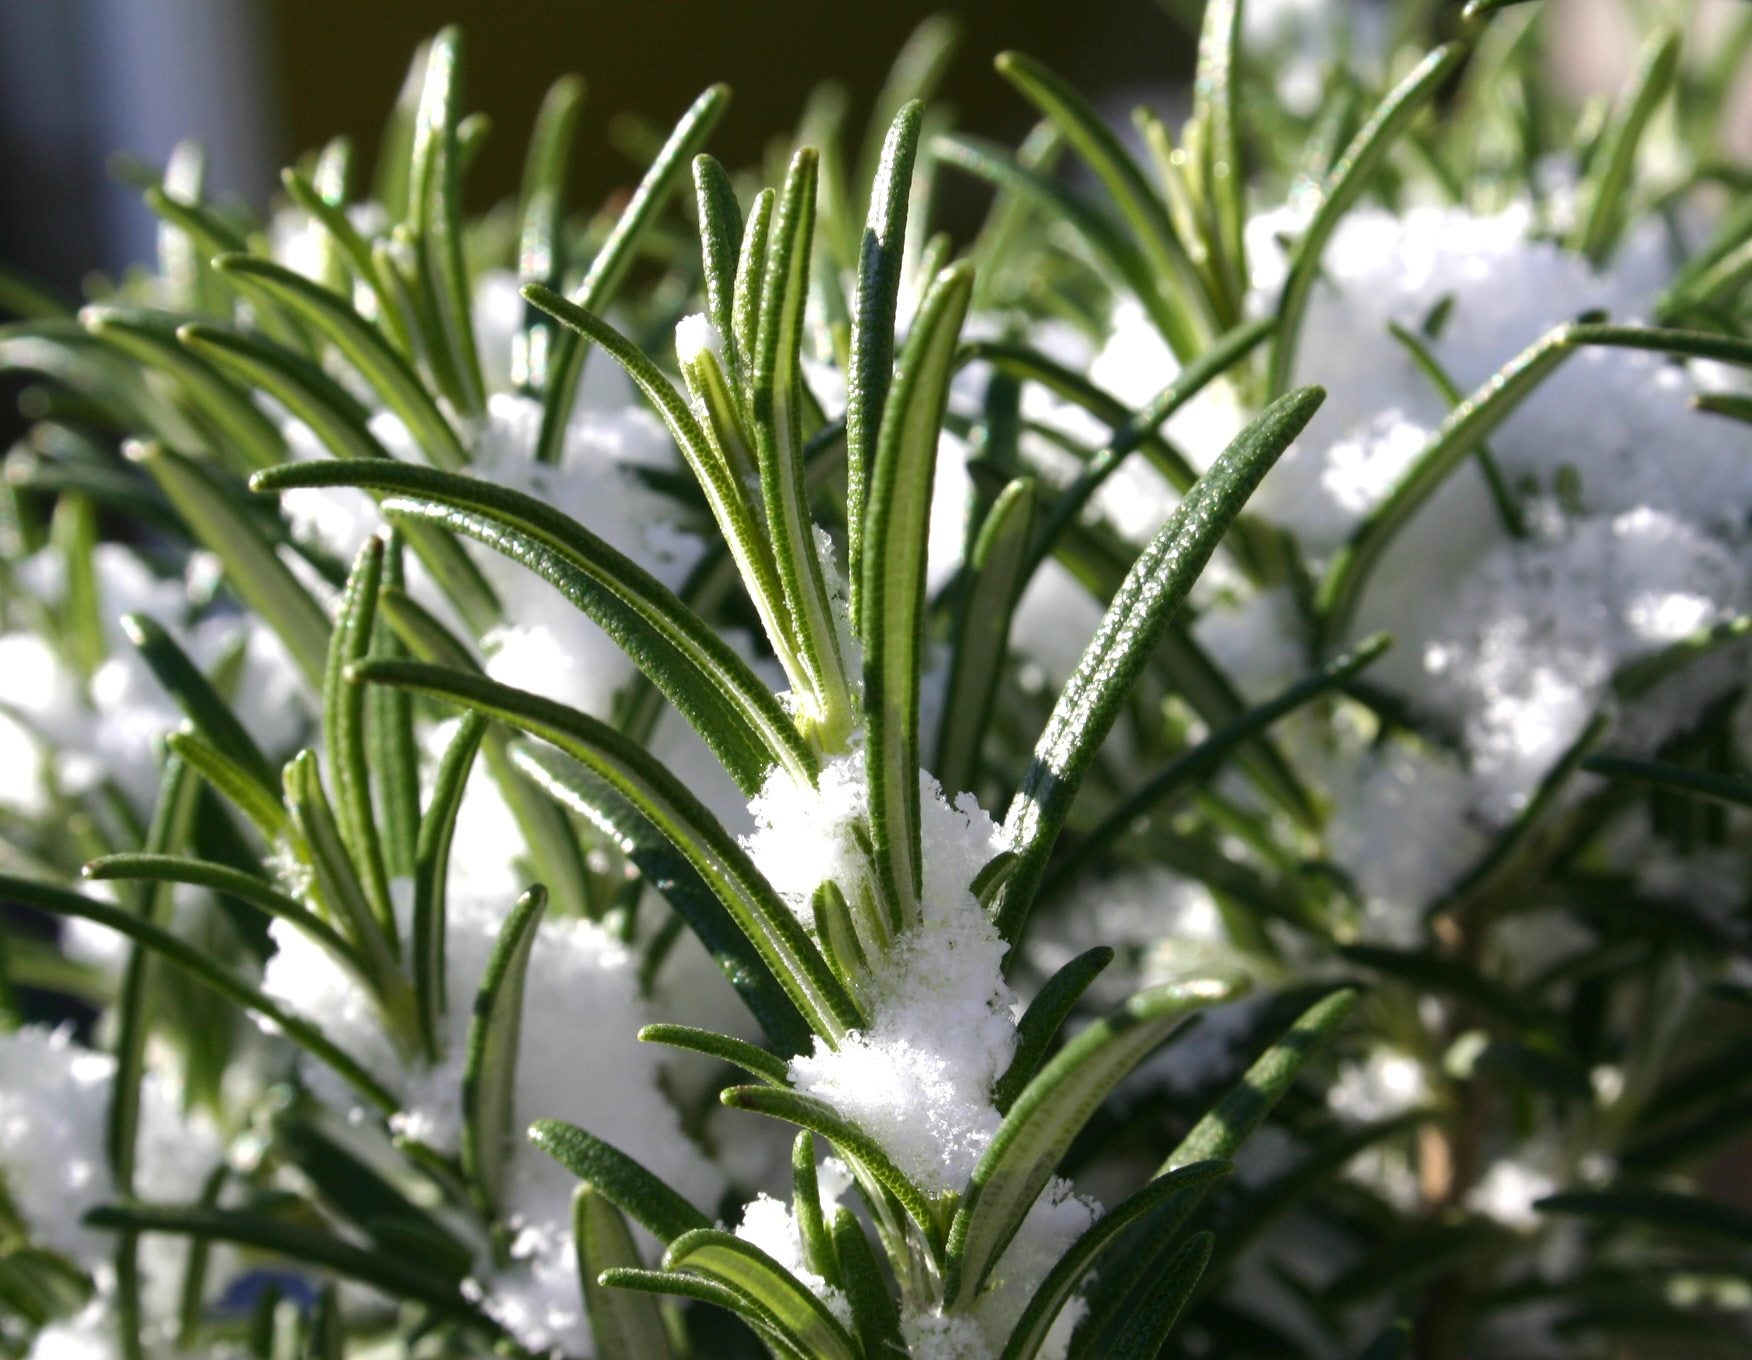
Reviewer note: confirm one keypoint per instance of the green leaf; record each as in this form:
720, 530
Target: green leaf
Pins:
233, 883
1218, 1135
991, 589
1525, 838
892, 597
717, 477
622, 1322
1601, 195
27, 299
389, 731
385, 1271
1729, 404
489, 1074
547, 834
777, 408
1048, 1114
1041, 1022
1105, 240
241, 435
60, 902
1185, 772
336, 885
1222, 354
1721, 788
1342, 189
1467, 424
1146, 1330
720, 240
750, 269
880, 259
541, 214
616, 255
1234, 1118
749, 1271
343, 725
1428, 972
263, 808
757, 1062
379, 1205
432, 874
1172, 300
435, 213
340, 424
875, 1315
172, 818
685, 658
856, 1146
259, 577
670, 872
673, 810
385, 370
1067, 1273
73, 537
194, 694
1153, 590
1501, 493
812, 1232
1216, 97
333, 414
1478, 9
1688, 1215
619, 1179
348, 241
705, 1290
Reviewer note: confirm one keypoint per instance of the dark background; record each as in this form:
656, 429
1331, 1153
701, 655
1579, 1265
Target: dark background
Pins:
260, 80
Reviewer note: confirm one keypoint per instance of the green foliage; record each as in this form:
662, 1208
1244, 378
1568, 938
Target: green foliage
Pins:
810, 638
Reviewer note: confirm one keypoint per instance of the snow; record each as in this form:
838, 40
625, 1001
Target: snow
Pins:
919, 1078
54, 1102
64, 733
581, 982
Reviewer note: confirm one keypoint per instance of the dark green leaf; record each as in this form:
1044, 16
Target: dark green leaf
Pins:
880, 257
1061, 1282
1048, 1114
1041, 1022
695, 669
672, 809
1342, 189
1153, 590
620, 1180
892, 597
489, 1074
616, 255
623, 1322
60, 902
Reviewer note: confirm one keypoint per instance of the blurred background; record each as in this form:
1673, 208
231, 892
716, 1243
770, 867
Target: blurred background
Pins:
258, 81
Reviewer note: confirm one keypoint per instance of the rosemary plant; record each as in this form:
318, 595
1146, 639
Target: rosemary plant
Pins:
529, 700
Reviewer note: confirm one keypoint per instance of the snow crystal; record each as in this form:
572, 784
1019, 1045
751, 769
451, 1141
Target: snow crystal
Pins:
497, 313
583, 984
1525, 652
1403, 834
694, 335
547, 644
77, 734
1384, 1084
54, 1099
919, 1078
771, 1225
90, 1334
